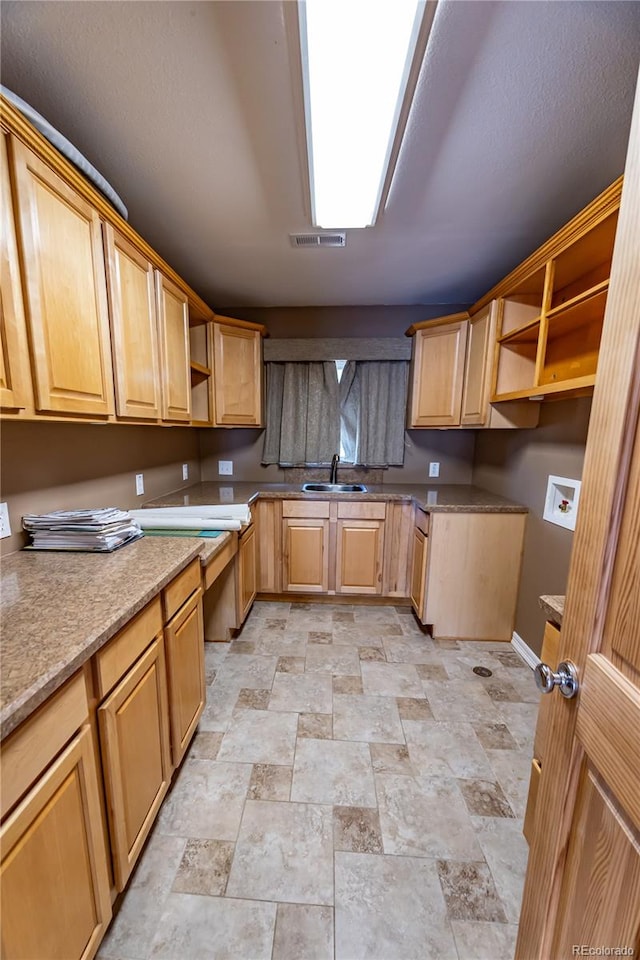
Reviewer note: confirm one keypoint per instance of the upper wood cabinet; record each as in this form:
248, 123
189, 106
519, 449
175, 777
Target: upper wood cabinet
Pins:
173, 329
437, 372
237, 375
14, 367
479, 366
65, 290
134, 329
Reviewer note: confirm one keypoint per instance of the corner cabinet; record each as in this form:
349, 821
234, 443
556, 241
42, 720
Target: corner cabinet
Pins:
65, 292
237, 365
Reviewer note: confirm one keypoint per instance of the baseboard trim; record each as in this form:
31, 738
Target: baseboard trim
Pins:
524, 651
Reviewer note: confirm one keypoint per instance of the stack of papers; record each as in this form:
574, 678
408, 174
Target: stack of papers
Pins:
91, 531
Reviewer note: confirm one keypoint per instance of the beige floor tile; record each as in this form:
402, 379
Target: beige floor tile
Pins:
425, 817
250, 699
445, 749
506, 852
413, 708
260, 736
269, 782
303, 932
372, 653
250, 671
214, 928
333, 771
521, 719
206, 801
375, 614
460, 701
495, 736
284, 852
411, 650
268, 609
204, 868
357, 829
290, 665
303, 693
370, 719
347, 685
484, 941
512, 770
333, 659
391, 680
485, 798
205, 745
390, 908
317, 726
469, 891
283, 645
132, 930
391, 758
156, 868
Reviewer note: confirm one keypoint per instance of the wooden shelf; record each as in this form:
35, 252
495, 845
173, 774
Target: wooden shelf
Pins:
527, 333
585, 295
199, 372
547, 390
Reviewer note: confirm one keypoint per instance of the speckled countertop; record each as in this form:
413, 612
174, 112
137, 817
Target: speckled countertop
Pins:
553, 607
58, 609
439, 498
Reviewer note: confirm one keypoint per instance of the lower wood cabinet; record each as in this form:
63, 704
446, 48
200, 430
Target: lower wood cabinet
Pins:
549, 654
185, 671
359, 548
305, 555
54, 882
465, 585
246, 573
134, 735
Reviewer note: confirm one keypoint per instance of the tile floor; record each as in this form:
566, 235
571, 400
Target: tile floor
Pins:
354, 791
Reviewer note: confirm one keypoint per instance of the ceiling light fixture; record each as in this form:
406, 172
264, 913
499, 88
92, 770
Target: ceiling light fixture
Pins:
360, 64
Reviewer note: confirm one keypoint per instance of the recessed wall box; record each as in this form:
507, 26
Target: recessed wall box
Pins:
561, 504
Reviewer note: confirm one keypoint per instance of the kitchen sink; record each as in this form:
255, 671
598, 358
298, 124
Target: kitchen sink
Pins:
334, 488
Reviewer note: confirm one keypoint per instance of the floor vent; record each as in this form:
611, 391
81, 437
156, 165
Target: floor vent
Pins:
318, 239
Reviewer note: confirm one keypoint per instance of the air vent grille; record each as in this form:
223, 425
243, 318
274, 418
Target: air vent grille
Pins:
318, 239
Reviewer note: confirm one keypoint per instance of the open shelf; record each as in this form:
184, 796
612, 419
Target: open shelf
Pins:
523, 305
517, 367
527, 333
585, 264
199, 371
573, 341
200, 339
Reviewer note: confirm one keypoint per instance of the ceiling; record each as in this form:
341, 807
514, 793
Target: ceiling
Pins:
192, 110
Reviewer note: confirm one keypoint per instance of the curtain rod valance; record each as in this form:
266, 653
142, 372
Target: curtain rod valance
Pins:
337, 348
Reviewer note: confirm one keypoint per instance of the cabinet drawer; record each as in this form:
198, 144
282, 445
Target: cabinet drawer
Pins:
317, 509
181, 588
113, 661
213, 570
28, 751
362, 510
422, 521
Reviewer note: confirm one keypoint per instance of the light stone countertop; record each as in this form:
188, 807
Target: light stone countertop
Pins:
553, 606
436, 498
57, 609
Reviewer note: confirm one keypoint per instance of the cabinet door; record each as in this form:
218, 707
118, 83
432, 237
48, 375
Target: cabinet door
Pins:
246, 573
359, 556
14, 363
134, 735
438, 366
134, 331
305, 555
65, 291
479, 367
419, 573
173, 330
184, 641
54, 880
237, 376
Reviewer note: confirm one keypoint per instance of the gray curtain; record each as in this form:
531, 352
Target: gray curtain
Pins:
303, 413
373, 404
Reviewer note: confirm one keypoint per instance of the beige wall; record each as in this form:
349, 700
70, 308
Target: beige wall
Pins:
516, 464
453, 449
59, 466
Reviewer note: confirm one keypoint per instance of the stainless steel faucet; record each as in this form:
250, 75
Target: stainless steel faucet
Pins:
333, 476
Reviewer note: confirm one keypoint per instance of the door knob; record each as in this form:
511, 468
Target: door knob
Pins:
566, 678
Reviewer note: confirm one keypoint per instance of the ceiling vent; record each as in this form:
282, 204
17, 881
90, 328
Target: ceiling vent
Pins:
318, 239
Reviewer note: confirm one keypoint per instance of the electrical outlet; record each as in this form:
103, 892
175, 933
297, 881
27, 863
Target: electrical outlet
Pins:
225, 468
185, 471
5, 525
434, 469
139, 484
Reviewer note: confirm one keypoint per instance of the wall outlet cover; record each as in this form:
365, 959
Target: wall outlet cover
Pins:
225, 468
434, 469
139, 484
185, 471
561, 503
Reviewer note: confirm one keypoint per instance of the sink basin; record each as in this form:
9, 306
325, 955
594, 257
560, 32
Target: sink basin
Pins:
334, 488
